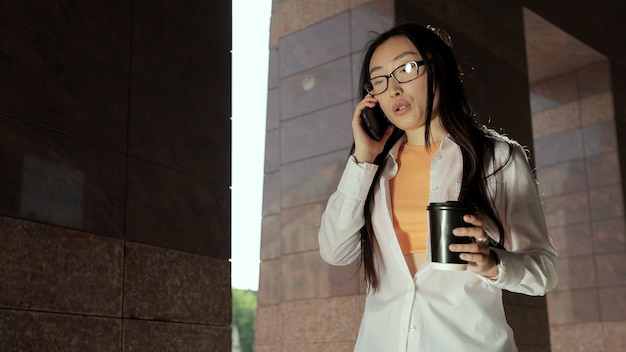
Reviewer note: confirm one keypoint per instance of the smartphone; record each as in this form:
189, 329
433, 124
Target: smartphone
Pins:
375, 122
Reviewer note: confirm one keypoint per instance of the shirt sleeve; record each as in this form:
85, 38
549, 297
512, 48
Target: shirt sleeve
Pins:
339, 234
529, 262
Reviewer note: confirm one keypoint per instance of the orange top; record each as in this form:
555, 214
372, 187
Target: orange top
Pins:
409, 196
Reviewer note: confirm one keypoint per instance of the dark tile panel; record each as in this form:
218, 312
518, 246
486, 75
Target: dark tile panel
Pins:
272, 151
613, 304
53, 178
270, 282
573, 208
163, 336
54, 85
565, 177
609, 235
212, 18
572, 240
270, 237
174, 131
54, 269
299, 228
368, 20
39, 331
573, 306
611, 268
273, 73
553, 92
600, 138
576, 272
180, 59
356, 61
306, 275
558, 148
99, 27
606, 202
603, 169
594, 79
320, 87
271, 193
311, 180
315, 45
170, 209
318, 133
273, 109
165, 284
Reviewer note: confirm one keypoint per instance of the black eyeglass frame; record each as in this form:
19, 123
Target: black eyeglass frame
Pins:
391, 75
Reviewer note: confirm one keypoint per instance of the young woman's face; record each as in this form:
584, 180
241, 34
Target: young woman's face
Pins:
403, 103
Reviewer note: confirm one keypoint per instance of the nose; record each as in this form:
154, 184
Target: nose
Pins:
394, 87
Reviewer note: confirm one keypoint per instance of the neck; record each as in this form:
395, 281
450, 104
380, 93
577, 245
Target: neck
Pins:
416, 136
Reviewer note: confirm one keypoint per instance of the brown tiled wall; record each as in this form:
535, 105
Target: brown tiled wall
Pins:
578, 169
115, 159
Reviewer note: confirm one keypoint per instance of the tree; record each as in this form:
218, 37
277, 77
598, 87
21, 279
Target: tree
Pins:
244, 314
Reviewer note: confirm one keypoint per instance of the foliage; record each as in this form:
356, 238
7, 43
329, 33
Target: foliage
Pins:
244, 314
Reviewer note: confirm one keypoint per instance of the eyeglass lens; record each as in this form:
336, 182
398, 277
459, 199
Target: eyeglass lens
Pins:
402, 74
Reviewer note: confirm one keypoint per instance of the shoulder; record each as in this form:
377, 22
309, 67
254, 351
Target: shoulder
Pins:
507, 150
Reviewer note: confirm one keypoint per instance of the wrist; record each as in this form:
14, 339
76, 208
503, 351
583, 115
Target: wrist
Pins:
494, 272
361, 157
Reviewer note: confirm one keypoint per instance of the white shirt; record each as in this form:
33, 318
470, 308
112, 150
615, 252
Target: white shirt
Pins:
440, 311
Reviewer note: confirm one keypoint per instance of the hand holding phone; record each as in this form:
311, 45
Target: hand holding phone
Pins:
375, 122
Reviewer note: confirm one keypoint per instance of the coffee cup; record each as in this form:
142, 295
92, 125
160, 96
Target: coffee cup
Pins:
442, 219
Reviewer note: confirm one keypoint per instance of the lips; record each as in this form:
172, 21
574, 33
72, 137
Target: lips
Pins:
401, 107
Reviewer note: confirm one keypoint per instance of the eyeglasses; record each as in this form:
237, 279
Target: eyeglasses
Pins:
403, 74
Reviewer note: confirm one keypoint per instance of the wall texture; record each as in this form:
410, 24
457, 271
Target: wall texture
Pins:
115, 173
306, 305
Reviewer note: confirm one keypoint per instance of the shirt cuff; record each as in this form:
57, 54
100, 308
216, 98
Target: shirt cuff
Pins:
357, 178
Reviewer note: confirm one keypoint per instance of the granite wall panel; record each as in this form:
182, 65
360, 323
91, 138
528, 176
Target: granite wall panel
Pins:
41, 331
168, 285
166, 336
55, 269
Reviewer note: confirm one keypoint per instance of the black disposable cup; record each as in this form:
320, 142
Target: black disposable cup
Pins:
442, 219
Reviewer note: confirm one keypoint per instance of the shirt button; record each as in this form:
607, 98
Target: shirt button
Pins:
435, 188
412, 327
437, 157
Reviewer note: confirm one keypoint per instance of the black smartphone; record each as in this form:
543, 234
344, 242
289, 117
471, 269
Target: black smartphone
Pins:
375, 122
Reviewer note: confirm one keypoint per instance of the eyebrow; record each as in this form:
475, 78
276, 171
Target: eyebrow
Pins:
373, 69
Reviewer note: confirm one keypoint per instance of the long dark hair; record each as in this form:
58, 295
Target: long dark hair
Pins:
457, 117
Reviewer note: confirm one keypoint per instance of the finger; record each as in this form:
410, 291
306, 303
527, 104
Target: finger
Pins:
473, 219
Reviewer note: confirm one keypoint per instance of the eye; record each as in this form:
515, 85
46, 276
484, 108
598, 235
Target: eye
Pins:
377, 81
408, 67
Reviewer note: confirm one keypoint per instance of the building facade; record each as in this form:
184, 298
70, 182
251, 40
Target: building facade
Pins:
528, 78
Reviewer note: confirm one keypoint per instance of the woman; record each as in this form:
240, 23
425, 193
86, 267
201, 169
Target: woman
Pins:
434, 150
